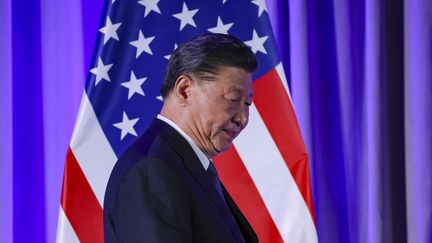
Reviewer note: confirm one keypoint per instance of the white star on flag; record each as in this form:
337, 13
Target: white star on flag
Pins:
126, 126
168, 56
110, 30
220, 27
257, 43
101, 71
142, 44
134, 85
150, 5
261, 6
186, 16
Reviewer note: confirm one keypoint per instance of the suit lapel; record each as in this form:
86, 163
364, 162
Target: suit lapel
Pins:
244, 226
193, 164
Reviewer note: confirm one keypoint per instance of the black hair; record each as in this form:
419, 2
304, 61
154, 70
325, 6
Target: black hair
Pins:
206, 54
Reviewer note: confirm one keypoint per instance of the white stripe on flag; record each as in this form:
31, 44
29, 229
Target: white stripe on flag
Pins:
281, 72
274, 181
65, 232
92, 149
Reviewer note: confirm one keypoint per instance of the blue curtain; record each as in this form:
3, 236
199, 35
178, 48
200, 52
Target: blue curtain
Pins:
45, 50
361, 82
360, 73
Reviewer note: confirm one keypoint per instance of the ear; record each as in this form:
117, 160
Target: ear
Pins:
182, 88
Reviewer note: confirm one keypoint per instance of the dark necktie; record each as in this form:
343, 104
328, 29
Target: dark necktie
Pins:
213, 175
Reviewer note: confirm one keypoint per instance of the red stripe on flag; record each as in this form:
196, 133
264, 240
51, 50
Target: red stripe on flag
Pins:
80, 203
275, 108
242, 189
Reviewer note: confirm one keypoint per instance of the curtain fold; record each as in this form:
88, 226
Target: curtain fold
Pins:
28, 159
418, 118
6, 123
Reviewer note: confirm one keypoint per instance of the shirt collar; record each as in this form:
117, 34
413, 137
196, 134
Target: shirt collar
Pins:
201, 156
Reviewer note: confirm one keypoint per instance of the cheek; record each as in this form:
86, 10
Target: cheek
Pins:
246, 112
221, 113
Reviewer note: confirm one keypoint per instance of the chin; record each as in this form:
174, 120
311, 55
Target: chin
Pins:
225, 148
220, 146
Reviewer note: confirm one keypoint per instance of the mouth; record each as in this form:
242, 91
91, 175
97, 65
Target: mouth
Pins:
231, 133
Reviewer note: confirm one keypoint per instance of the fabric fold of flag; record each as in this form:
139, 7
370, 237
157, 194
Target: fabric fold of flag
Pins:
266, 170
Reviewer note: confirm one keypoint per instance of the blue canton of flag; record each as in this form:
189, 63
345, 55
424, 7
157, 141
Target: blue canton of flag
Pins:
134, 46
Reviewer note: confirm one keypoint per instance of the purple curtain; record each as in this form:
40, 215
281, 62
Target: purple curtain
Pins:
361, 81
45, 48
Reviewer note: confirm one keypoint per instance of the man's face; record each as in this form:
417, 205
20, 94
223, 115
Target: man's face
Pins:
220, 109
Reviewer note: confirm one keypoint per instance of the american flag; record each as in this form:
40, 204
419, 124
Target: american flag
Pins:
266, 171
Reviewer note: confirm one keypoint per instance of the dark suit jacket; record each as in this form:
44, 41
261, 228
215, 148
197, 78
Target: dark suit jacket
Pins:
158, 192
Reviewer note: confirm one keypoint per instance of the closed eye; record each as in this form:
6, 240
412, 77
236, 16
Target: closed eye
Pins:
233, 100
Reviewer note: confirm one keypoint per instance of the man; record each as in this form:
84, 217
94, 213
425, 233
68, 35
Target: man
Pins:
164, 188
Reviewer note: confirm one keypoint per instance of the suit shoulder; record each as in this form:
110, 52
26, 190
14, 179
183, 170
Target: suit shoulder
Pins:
151, 152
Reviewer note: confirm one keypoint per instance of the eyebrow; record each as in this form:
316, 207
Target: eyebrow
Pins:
239, 90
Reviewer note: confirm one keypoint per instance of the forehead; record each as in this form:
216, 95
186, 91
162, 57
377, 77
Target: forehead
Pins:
235, 80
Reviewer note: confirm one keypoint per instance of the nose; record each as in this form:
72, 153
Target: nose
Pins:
241, 118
